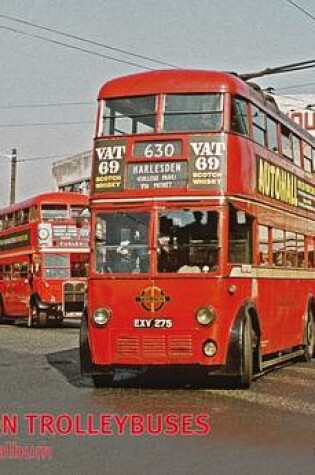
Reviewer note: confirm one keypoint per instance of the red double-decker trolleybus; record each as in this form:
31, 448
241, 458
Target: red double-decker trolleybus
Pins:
203, 207
44, 252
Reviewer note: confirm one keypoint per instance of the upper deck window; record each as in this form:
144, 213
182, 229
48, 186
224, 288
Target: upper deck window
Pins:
286, 142
79, 212
54, 212
129, 115
272, 134
193, 112
307, 154
239, 116
259, 126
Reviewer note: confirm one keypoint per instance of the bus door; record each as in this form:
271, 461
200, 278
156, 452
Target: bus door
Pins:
20, 288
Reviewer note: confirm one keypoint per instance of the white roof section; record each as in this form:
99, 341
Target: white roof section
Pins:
300, 108
74, 169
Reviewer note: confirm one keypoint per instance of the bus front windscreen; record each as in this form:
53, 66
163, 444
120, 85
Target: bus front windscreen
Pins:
56, 266
187, 241
121, 243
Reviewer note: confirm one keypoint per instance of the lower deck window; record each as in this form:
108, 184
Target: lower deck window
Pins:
121, 243
188, 241
240, 237
56, 266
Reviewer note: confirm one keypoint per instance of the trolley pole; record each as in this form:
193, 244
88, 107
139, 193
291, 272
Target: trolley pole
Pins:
13, 175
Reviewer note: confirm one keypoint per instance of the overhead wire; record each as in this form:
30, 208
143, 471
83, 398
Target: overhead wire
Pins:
298, 7
77, 48
282, 69
87, 40
48, 104
35, 159
300, 66
294, 86
44, 124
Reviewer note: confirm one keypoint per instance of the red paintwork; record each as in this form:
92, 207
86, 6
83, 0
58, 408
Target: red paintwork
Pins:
48, 198
280, 303
16, 293
161, 82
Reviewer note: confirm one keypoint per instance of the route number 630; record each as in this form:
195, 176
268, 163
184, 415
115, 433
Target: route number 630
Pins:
158, 150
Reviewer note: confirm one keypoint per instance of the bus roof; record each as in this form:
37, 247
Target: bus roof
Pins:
57, 197
173, 81
194, 81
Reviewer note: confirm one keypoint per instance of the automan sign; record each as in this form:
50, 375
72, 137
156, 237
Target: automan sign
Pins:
281, 185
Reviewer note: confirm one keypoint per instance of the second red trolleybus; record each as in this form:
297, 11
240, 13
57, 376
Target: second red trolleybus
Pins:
44, 251
203, 226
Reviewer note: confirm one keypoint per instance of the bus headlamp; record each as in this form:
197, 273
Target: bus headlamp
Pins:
209, 348
205, 315
101, 316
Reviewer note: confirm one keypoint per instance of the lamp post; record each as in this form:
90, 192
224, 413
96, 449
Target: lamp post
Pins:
13, 176
13, 158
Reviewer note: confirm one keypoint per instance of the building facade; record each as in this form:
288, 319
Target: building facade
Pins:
300, 108
73, 173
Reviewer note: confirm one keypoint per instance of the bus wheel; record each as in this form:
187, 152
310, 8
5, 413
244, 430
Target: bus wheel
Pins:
32, 316
102, 380
2, 313
42, 319
246, 377
309, 337
85, 354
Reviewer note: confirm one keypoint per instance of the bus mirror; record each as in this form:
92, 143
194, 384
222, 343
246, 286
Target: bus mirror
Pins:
241, 217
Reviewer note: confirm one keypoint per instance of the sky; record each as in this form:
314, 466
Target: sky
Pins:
39, 79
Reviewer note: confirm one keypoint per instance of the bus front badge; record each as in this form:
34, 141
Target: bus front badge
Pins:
152, 299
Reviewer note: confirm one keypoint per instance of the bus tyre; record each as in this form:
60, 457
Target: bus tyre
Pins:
32, 316
2, 313
102, 380
42, 319
246, 377
309, 337
86, 365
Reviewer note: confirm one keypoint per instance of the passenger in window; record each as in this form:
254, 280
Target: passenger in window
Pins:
168, 256
278, 259
133, 253
196, 230
263, 259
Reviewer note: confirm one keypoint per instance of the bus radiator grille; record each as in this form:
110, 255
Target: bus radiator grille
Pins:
180, 346
128, 346
163, 346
